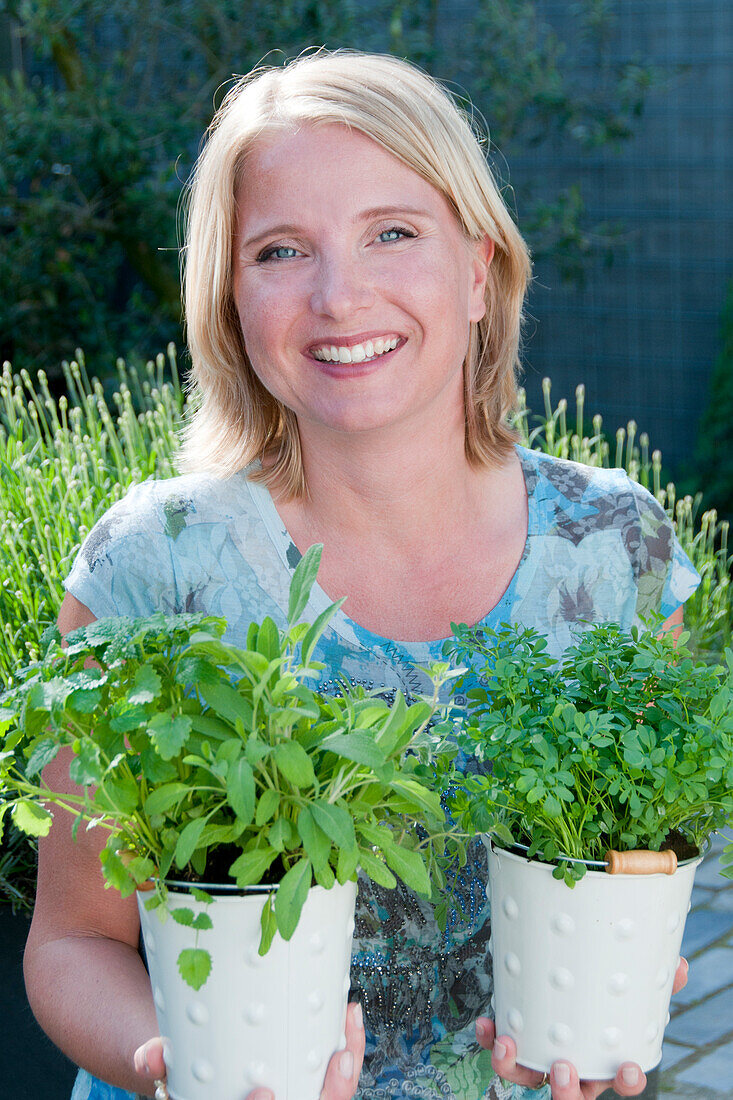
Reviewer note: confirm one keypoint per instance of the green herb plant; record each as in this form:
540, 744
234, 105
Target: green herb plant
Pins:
625, 742
192, 752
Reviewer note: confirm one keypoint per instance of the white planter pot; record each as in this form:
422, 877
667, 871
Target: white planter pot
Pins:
271, 1020
585, 974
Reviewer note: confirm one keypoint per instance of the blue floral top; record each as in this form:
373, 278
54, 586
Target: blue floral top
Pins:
599, 548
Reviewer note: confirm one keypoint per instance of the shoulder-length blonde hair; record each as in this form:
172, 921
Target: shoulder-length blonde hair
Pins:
234, 419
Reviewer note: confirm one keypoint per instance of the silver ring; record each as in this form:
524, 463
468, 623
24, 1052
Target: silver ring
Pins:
161, 1091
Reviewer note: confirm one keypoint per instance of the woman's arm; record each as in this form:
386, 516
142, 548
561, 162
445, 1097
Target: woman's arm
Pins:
85, 980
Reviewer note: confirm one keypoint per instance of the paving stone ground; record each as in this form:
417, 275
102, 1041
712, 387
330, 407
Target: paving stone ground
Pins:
697, 1062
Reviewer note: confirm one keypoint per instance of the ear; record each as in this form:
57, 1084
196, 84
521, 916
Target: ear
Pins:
483, 254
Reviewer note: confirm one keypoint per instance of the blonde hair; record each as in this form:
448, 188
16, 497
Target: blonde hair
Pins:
235, 420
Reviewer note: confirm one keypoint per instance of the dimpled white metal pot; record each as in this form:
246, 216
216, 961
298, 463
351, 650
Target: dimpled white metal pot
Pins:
585, 975
272, 1020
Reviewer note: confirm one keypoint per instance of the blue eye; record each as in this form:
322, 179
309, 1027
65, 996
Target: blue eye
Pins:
395, 233
274, 253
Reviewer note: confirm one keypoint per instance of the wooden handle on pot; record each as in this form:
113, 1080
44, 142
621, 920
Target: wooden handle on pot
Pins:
641, 862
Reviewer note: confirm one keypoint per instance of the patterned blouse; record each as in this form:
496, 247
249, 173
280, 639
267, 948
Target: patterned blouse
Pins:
599, 548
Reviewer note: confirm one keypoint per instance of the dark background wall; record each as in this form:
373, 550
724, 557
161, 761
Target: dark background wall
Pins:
643, 333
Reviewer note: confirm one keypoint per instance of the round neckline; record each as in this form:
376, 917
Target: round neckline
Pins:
348, 628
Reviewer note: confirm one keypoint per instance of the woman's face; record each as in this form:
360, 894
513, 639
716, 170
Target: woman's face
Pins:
354, 284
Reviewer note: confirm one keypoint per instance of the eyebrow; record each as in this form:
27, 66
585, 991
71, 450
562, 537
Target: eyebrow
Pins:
289, 229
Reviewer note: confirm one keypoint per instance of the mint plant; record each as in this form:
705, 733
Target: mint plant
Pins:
626, 742
200, 758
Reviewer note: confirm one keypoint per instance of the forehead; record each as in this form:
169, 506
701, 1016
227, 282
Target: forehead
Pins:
329, 170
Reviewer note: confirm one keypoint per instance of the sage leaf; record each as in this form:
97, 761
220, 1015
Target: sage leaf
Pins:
295, 764
241, 790
249, 868
335, 821
303, 580
188, 841
290, 897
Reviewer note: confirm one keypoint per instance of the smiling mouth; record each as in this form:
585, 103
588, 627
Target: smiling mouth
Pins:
357, 353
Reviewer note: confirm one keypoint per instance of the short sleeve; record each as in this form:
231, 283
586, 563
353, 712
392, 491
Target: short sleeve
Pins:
124, 565
665, 576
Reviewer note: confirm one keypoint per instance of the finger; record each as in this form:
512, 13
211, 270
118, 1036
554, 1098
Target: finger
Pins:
504, 1062
261, 1094
680, 978
564, 1084
485, 1032
342, 1075
629, 1081
148, 1059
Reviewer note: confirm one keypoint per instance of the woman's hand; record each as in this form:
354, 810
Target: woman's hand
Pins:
342, 1075
563, 1078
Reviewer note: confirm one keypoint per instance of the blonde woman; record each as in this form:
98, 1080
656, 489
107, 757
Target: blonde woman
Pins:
354, 288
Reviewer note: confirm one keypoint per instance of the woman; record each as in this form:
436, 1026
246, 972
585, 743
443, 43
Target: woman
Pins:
354, 289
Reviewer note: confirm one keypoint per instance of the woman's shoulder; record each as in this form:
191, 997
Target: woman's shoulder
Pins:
576, 489
168, 505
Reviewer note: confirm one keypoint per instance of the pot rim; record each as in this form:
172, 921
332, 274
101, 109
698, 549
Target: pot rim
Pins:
595, 866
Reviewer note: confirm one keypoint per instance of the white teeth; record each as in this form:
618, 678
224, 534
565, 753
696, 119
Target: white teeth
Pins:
356, 354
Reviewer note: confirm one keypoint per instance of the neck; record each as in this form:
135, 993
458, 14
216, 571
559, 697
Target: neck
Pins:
393, 491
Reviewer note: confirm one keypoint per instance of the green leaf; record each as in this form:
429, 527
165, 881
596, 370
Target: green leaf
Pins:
169, 734
317, 845
241, 790
188, 841
316, 630
421, 797
268, 926
43, 753
376, 870
348, 861
183, 916
290, 897
268, 639
86, 767
121, 796
194, 966
410, 866
267, 805
295, 764
335, 821
303, 580
227, 702
249, 868
160, 800
32, 818
146, 686
359, 747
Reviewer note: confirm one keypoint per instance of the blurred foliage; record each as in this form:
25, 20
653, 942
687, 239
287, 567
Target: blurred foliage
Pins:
103, 117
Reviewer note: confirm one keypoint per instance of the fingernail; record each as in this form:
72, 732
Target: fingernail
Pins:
145, 1059
139, 1062
481, 1030
630, 1075
346, 1064
562, 1074
499, 1049
359, 1017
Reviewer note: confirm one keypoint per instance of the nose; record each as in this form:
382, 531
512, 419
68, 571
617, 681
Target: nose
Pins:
341, 287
